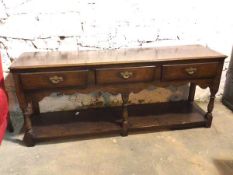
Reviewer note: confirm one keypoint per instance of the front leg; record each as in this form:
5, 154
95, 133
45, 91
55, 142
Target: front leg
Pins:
210, 107
192, 90
28, 136
125, 98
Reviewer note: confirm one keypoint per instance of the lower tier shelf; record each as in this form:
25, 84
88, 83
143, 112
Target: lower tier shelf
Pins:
107, 121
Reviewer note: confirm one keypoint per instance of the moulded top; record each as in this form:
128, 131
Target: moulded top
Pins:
30, 60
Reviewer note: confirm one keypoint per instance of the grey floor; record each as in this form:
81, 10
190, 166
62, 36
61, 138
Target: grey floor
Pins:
198, 151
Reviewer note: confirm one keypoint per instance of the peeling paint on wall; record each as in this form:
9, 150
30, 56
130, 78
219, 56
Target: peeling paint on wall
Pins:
58, 102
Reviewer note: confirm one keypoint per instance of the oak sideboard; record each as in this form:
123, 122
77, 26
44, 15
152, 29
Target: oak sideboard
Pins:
121, 71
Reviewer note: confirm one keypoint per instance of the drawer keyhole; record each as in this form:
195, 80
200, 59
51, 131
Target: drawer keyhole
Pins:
56, 79
126, 74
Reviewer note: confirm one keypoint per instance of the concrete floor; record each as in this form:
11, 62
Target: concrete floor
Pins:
184, 152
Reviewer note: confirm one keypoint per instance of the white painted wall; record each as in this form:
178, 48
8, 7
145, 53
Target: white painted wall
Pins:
33, 25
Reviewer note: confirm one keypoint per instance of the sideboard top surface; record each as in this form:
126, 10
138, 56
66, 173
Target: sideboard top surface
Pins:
30, 60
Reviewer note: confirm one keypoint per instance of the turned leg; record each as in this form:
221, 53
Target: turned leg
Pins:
125, 98
192, 90
210, 107
28, 136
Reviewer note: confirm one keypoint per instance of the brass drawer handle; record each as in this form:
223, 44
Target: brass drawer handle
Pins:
191, 70
56, 79
126, 74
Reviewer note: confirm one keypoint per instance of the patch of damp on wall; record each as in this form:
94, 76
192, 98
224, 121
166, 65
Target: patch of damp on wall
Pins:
63, 102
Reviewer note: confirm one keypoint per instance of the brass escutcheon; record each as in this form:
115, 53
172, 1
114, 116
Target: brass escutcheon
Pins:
126, 74
56, 79
191, 70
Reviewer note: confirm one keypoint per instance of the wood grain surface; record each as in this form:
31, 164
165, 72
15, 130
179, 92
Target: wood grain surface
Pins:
117, 56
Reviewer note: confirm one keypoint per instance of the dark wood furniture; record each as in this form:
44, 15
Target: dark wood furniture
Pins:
37, 75
227, 97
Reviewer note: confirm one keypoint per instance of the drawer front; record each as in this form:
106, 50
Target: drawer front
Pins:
54, 79
189, 71
127, 74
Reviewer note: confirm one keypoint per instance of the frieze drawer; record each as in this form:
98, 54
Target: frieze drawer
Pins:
189, 71
127, 74
54, 79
